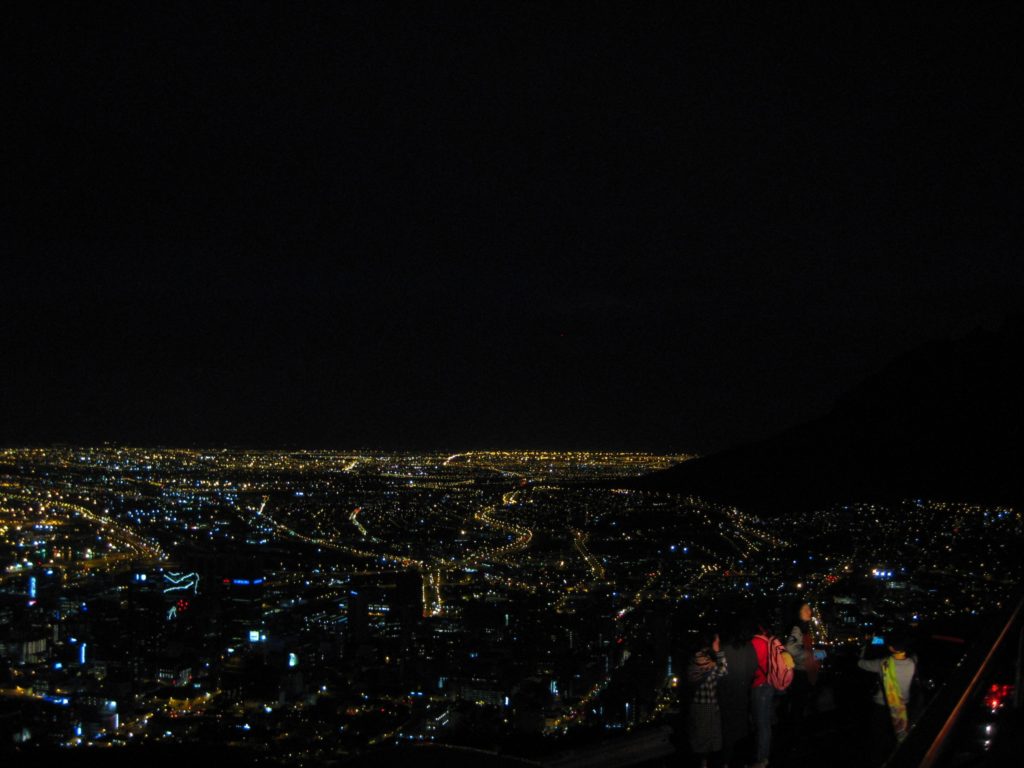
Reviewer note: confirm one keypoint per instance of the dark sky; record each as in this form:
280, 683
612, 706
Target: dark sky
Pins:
491, 224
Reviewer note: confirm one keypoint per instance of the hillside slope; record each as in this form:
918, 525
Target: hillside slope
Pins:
941, 422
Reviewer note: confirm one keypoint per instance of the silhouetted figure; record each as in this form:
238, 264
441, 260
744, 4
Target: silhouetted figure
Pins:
800, 644
704, 720
889, 722
734, 688
762, 699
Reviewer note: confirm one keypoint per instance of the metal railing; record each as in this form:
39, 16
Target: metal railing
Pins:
933, 734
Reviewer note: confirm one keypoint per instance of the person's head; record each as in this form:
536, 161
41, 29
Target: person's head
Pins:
763, 620
800, 614
738, 627
701, 639
897, 641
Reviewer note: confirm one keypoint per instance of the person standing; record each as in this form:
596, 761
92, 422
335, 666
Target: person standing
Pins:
734, 688
704, 721
762, 697
897, 674
800, 644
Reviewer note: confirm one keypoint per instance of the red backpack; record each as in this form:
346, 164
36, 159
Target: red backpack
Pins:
779, 673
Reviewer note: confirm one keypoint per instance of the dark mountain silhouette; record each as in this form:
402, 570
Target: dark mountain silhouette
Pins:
941, 422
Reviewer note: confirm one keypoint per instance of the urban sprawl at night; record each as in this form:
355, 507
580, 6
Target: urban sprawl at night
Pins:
314, 606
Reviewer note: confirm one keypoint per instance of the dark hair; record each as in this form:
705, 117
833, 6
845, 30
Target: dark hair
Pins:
898, 640
738, 627
762, 615
699, 639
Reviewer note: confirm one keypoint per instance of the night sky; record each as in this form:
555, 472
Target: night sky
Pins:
453, 226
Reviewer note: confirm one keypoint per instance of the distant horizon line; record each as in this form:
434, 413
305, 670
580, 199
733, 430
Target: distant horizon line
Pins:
367, 449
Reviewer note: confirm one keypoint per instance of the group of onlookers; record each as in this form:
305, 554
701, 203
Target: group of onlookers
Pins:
733, 694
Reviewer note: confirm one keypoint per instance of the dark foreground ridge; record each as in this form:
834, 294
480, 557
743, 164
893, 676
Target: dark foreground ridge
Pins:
944, 421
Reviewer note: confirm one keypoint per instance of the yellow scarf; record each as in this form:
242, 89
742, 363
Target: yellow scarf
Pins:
894, 697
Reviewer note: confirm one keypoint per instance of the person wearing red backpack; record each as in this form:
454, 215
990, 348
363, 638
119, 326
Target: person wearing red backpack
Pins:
774, 673
762, 697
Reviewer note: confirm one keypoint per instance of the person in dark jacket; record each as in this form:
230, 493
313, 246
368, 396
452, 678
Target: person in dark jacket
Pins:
734, 688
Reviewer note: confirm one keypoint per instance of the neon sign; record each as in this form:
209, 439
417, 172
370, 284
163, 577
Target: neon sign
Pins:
180, 582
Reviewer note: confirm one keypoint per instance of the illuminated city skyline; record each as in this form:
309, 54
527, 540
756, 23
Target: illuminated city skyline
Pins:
432, 382
476, 598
